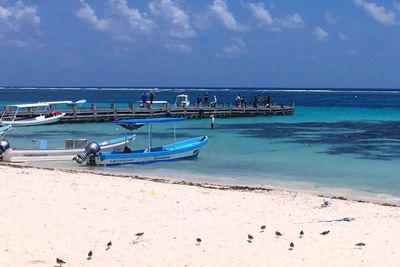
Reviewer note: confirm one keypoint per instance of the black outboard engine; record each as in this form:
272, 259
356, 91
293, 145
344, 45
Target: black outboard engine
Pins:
91, 151
4, 145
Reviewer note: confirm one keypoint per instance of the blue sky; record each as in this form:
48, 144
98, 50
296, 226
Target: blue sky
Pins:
223, 43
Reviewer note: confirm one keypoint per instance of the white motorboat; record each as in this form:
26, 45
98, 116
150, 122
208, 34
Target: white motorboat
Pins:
62, 154
34, 114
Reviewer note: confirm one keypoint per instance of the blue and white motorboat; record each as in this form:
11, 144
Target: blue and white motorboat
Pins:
185, 149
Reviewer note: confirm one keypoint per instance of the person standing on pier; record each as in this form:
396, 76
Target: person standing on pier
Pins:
151, 96
238, 100
198, 101
144, 99
206, 99
212, 117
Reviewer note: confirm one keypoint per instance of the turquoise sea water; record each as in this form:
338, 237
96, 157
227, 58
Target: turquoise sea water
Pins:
322, 146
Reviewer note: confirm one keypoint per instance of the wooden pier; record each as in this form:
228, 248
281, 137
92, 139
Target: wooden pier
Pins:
94, 114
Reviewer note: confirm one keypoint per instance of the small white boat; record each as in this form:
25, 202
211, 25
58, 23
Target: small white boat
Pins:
4, 129
186, 149
63, 154
34, 114
182, 101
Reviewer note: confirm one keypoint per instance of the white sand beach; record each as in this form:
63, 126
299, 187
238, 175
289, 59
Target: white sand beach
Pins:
49, 214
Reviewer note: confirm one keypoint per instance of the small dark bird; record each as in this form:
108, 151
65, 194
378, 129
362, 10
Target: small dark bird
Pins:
109, 244
278, 234
139, 234
360, 244
90, 254
262, 228
301, 234
198, 241
325, 232
291, 246
60, 261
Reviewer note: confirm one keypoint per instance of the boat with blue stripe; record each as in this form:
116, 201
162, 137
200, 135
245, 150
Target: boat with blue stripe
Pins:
185, 149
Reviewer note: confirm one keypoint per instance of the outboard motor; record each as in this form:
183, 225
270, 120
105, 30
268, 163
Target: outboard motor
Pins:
92, 151
4, 145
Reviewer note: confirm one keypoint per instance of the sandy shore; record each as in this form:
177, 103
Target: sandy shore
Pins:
48, 214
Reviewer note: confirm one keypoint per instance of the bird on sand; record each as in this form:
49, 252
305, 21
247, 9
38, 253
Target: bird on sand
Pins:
325, 232
109, 244
90, 254
360, 244
198, 240
139, 234
250, 238
301, 234
60, 261
291, 246
262, 228
278, 234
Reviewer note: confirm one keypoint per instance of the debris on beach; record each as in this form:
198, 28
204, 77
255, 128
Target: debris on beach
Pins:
325, 232
291, 246
278, 234
262, 228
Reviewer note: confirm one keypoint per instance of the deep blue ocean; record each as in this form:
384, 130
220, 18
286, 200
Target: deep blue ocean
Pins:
345, 141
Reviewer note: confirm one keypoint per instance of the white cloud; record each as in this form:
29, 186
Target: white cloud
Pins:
235, 49
220, 9
261, 14
176, 17
87, 13
136, 20
320, 34
330, 18
19, 25
379, 13
293, 21
265, 19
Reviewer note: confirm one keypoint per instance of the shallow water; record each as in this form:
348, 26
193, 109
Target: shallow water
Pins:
325, 145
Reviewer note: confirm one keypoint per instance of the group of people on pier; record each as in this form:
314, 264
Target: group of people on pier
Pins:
205, 102
257, 102
147, 100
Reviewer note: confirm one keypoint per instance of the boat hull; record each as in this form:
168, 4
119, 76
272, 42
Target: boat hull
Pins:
41, 120
181, 150
34, 155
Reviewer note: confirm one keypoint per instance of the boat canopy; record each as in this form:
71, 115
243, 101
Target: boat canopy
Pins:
143, 121
45, 104
33, 105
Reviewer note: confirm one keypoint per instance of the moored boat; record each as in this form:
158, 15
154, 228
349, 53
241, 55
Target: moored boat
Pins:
34, 114
63, 154
185, 149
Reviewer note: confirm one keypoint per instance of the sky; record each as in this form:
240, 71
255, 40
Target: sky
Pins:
207, 43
